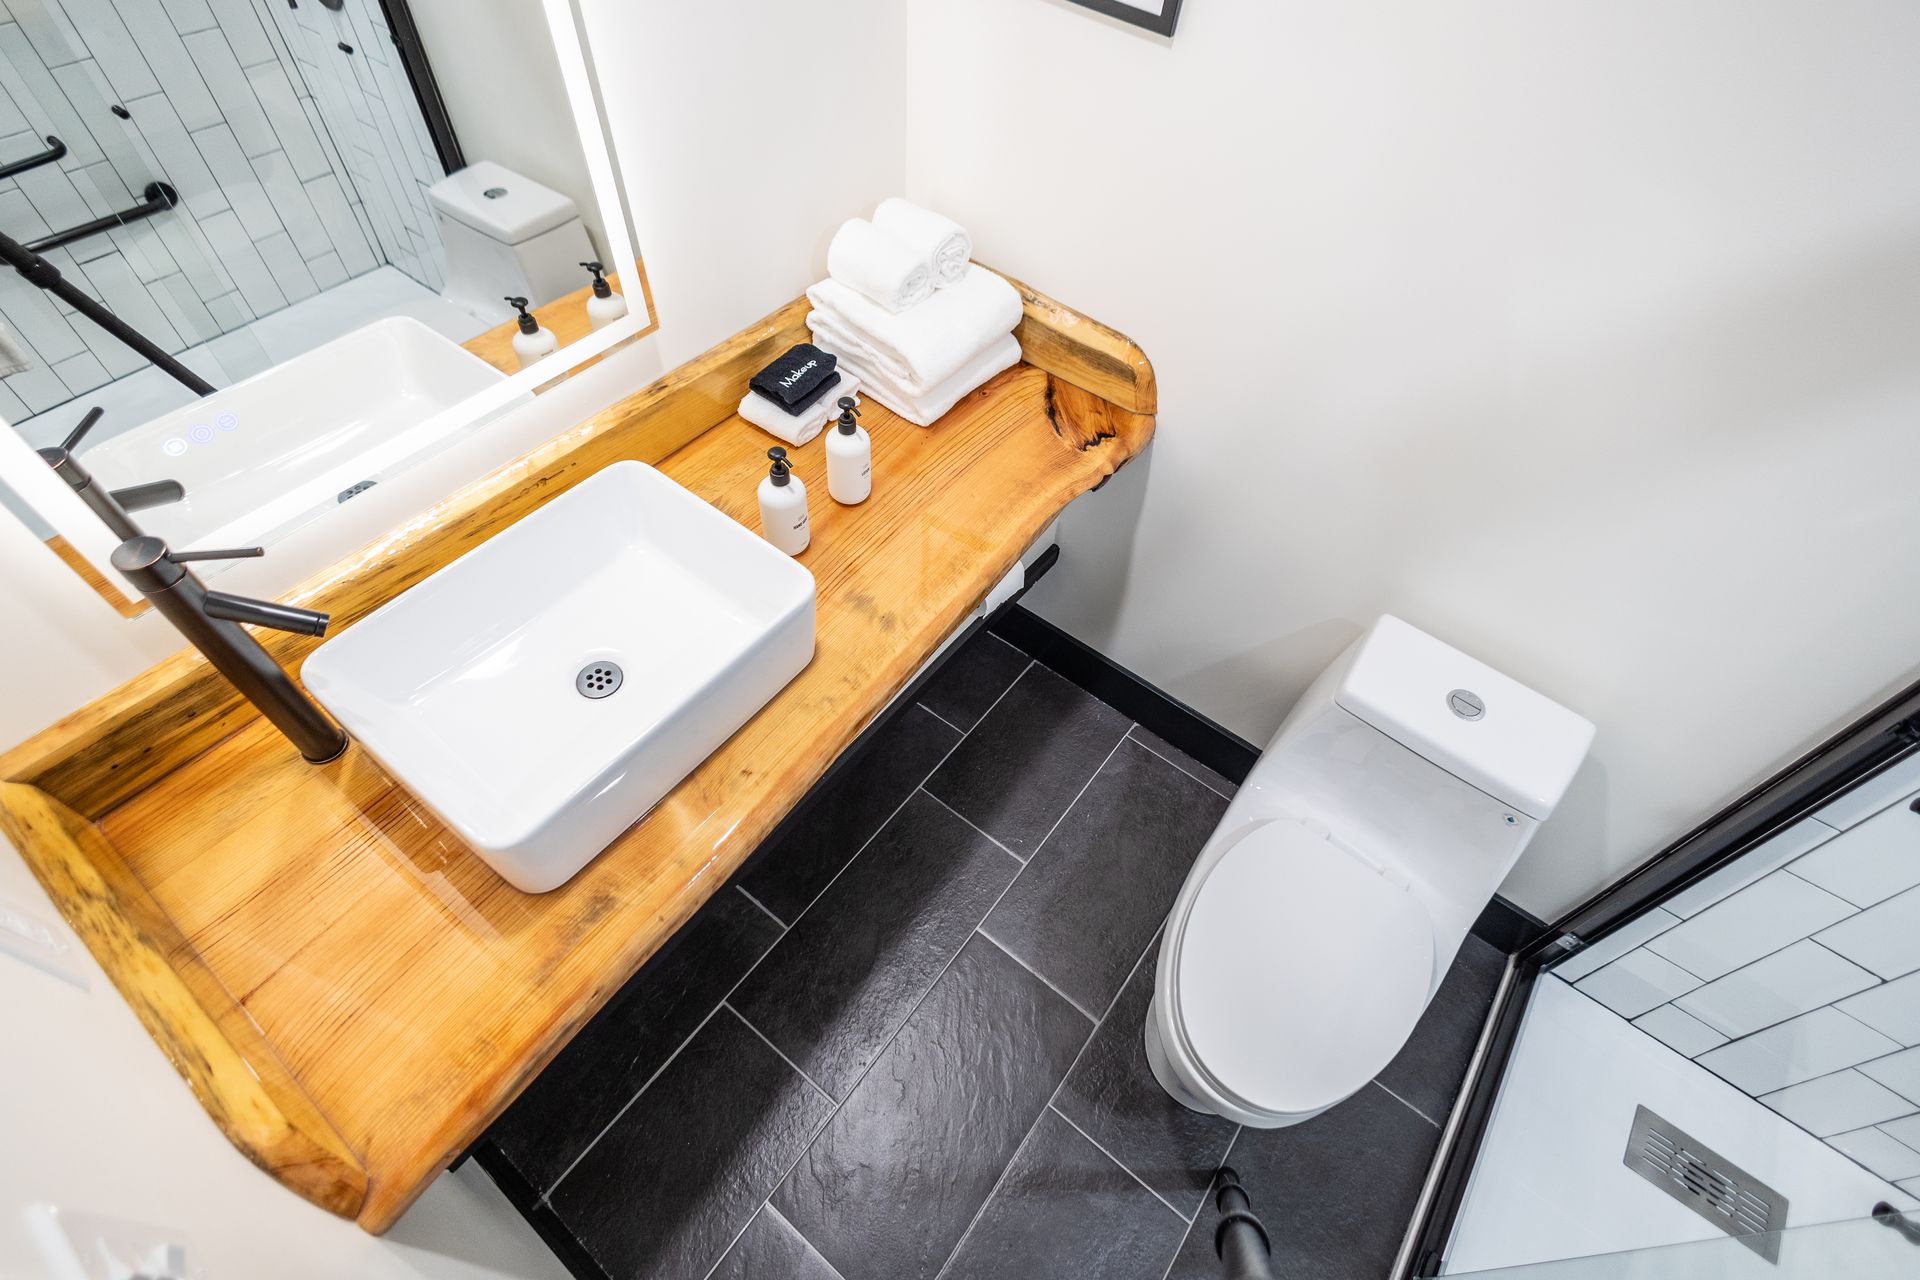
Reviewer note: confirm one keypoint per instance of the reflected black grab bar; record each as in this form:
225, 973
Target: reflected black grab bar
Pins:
159, 198
55, 150
1887, 1215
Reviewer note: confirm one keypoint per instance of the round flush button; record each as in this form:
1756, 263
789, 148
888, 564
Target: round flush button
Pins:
1466, 704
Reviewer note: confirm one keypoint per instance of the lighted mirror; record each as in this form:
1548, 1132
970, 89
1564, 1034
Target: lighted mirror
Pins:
285, 237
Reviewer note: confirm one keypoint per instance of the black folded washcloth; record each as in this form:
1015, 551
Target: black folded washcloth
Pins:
798, 378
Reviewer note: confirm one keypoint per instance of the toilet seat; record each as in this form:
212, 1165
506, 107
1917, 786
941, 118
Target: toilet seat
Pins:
1300, 970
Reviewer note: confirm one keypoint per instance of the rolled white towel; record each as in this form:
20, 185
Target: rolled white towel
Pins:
798, 428
867, 260
920, 349
924, 410
944, 243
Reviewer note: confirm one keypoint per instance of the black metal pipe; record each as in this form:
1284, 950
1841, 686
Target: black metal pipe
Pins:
55, 150
44, 275
1240, 1240
159, 197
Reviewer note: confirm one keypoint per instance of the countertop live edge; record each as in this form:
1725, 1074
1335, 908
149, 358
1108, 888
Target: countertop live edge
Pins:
349, 992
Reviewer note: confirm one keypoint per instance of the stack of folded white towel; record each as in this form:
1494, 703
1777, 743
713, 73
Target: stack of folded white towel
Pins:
906, 311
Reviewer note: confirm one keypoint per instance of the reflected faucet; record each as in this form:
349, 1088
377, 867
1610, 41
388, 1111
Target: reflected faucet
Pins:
113, 506
210, 620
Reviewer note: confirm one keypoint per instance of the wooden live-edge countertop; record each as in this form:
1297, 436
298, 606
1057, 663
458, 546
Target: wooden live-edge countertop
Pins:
351, 994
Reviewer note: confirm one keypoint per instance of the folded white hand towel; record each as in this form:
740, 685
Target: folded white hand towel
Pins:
925, 410
922, 348
867, 260
798, 428
943, 242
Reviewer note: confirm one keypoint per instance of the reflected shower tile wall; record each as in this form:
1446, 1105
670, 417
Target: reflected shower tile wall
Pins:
287, 151
1810, 944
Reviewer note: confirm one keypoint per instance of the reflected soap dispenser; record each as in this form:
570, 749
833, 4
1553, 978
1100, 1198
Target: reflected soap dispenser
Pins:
849, 457
605, 306
783, 506
532, 343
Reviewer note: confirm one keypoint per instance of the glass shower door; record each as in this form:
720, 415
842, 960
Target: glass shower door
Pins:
1878, 1248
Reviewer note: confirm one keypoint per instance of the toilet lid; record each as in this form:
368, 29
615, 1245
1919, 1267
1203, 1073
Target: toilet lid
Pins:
1301, 970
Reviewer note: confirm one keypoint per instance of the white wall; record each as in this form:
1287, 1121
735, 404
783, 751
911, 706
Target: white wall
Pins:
494, 63
730, 227
1582, 334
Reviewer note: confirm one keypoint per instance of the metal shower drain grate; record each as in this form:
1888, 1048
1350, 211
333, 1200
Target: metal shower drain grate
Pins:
1713, 1187
599, 679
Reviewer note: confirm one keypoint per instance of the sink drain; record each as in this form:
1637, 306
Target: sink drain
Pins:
598, 679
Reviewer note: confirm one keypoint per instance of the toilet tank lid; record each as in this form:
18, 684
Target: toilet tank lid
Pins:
519, 208
1485, 728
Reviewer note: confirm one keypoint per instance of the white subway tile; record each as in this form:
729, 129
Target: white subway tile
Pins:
239, 109
1648, 924
1637, 982
289, 268
1883, 938
188, 15
1906, 1130
1900, 1072
1790, 982
160, 45
1899, 781
291, 128
1879, 1153
1761, 918
240, 184
1837, 1103
1679, 1030
1813, 1044
240, 23
1870, 862
82, 374
1750, 866
1893, 1009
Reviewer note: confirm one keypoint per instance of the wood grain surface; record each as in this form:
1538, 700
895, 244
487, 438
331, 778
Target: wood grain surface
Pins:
323, 922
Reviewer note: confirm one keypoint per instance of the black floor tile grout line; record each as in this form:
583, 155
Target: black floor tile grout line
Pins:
546, 1197
1068, 1121
969, 821
1403, 1102
1226, 1158
950, 724
1142, 742
779, 1053
944, 969
763, 907
1040, 977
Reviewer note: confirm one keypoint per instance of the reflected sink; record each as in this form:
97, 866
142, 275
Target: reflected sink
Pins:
544, 691
261, 455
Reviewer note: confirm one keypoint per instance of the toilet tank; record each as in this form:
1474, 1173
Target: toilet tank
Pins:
1426, 761
506, 234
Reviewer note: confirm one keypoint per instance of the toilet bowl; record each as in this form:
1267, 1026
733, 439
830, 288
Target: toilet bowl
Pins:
1324, 910
507, 236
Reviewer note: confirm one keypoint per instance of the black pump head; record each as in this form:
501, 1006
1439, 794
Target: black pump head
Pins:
780, 471
601, 289
849, 410
527, 323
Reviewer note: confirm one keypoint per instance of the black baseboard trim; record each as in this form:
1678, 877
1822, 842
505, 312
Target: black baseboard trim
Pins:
1213, 745
1502, 924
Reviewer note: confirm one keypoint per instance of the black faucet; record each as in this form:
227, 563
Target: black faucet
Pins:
111, 505
211, 620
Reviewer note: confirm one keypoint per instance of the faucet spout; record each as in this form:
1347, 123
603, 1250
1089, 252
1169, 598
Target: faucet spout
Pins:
266, 613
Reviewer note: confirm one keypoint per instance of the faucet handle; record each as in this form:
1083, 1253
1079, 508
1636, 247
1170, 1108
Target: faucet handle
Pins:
155, 493
238, 553
79, 433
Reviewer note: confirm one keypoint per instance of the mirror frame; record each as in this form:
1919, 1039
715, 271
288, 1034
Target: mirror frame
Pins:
85, 545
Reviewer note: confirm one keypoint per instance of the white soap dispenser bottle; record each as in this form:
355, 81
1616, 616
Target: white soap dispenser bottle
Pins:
605, 306
783, 506
532, 343
849, 457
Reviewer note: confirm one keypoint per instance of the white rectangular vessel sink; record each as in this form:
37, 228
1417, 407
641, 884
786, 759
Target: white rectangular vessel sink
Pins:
263, 454
545, 690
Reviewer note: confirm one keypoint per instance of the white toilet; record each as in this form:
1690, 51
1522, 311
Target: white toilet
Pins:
1321, 915
507, 236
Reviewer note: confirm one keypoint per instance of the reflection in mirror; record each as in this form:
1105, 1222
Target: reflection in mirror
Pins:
275, 252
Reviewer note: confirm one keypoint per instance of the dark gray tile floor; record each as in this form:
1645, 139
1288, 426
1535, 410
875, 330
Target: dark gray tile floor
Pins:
905, 1041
